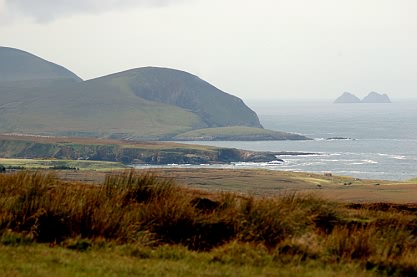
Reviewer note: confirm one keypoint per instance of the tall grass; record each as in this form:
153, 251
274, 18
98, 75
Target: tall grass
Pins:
133, 207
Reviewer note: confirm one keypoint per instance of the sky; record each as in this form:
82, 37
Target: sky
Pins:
254, 49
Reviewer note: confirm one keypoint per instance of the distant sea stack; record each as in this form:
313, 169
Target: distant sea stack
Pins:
347, 97
372, 97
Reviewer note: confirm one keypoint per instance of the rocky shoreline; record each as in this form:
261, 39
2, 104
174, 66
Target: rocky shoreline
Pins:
130, 152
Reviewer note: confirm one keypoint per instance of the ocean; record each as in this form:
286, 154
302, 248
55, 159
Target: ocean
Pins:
380, 139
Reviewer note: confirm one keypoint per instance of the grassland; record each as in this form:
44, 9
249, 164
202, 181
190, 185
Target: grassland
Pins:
48, 164
135, 260
140, 224
261, 183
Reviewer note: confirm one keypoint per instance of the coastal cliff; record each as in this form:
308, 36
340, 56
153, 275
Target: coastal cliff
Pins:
157, 153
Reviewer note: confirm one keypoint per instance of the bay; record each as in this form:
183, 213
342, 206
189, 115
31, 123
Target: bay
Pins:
381, 139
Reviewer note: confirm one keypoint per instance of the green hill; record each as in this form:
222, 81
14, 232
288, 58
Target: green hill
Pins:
39, 97
90, 109
174, 87
18, 65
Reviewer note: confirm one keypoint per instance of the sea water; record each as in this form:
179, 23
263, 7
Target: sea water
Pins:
380, 139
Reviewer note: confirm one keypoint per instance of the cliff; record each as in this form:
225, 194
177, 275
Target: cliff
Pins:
125, 152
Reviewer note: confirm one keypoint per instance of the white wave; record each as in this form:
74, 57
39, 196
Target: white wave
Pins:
311, 163
399, 157
370, 161
301, 155
393, 156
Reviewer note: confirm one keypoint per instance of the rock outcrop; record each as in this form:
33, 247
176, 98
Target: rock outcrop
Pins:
374, 97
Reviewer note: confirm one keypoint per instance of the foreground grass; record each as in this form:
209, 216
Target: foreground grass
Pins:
138, 224
131, 260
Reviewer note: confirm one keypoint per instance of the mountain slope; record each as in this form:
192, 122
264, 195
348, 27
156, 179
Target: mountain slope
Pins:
108, 107
89, 109
174, 87
18, 65
39, 97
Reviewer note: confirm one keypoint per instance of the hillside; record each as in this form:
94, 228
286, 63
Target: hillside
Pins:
38, 97
174, 87
18, 65
90, 109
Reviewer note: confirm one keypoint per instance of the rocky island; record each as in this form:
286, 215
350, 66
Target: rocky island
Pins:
347, 97
372, 97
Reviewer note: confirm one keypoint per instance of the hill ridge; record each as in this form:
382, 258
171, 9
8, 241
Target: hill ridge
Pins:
20, 65
183, 89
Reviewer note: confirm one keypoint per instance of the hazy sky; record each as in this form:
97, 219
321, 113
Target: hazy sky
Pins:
254, 49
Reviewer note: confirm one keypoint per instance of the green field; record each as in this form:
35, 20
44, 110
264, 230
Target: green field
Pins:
48, 164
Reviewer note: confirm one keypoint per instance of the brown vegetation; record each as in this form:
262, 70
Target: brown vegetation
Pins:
141, 209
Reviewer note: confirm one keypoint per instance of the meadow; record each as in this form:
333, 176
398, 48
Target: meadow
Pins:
136, 223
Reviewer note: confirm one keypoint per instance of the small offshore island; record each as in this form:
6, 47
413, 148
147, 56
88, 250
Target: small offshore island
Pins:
372, 97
